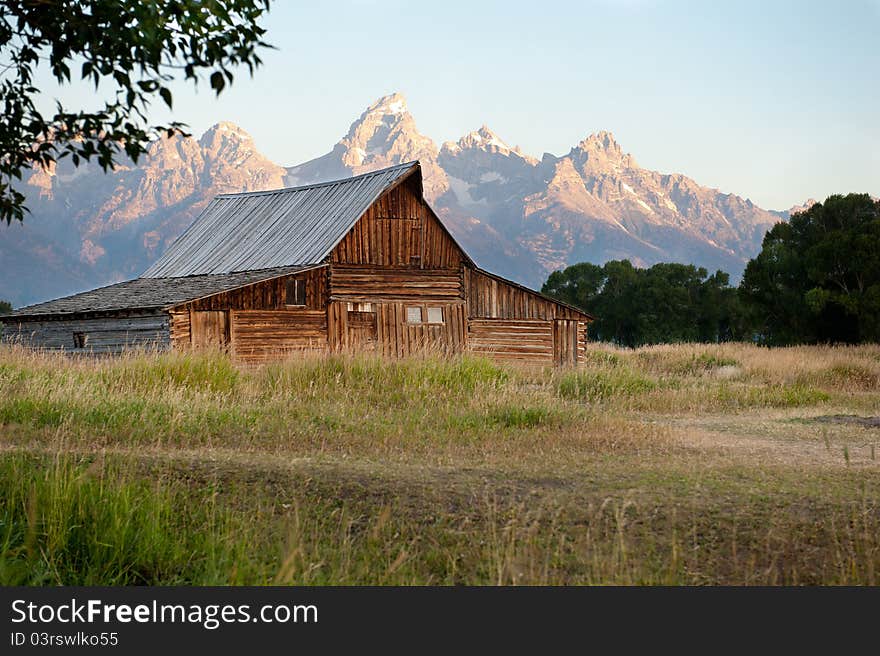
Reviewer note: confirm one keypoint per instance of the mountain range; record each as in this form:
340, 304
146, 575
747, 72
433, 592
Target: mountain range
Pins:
518, 215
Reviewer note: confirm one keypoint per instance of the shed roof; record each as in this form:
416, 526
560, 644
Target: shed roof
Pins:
284, 227
150, 293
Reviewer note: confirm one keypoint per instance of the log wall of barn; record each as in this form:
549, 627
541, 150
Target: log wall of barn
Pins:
525, 340
179, 328
582, 340
565, 341
267, 294
386, 328
372, 283
491, 298
399, 229
106, 334
258, 336
557, 341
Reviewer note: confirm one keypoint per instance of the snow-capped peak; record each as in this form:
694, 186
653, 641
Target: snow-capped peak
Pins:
486, 141
226, 135
485, 136
393, 104
226, 127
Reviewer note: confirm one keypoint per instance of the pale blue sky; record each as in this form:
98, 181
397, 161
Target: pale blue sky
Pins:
774, 101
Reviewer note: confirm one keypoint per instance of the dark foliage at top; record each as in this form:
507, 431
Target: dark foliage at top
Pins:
132, 49
817, 277
665, 303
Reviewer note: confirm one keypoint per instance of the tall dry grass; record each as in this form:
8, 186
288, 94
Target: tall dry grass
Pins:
186, 468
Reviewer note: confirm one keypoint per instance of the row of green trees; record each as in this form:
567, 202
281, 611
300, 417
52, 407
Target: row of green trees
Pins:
816, 279
665, 303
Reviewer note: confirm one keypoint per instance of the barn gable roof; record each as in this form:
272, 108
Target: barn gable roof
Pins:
150, 293
240, 239
285, 227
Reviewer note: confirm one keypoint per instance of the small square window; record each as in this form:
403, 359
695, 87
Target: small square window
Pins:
435, 315
80, 340
413, 314
295, 292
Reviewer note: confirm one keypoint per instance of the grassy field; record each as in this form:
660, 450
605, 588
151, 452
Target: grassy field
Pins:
687, 464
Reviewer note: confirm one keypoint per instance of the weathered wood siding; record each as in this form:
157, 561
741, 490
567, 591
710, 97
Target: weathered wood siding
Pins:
385, 328
209, 328
527, 340
582, 341
108, 334
267, 295
180, 328
258, 336
397, 337
261, 326
492, 298
565, 341
372, 283
399, 229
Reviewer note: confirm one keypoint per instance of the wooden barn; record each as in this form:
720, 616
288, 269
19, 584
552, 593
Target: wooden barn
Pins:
362, 263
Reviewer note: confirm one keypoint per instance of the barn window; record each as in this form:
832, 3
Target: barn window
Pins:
435, 315
80, 340
295, 292
414, 314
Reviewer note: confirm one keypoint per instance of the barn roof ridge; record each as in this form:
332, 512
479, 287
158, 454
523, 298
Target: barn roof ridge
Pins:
315, 185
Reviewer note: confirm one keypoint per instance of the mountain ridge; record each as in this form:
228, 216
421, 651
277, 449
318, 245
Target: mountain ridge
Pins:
515, 214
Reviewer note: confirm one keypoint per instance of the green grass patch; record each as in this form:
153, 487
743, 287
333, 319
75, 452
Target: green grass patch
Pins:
212, 372
600, 385
69, 523
769, 396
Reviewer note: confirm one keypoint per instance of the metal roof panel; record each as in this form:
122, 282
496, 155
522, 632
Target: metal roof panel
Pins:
266, 229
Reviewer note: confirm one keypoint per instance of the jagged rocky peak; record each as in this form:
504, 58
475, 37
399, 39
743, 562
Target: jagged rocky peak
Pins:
226, 129
600, 152
483, 169
226, 135
485, 140
168, 152
392, 104
385, 133
803, 207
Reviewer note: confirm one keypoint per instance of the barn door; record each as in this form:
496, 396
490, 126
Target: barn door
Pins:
565, 341
209, 329
351, 326
362, 331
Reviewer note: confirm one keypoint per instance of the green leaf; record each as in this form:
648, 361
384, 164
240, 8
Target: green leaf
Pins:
217, 81
166, 95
